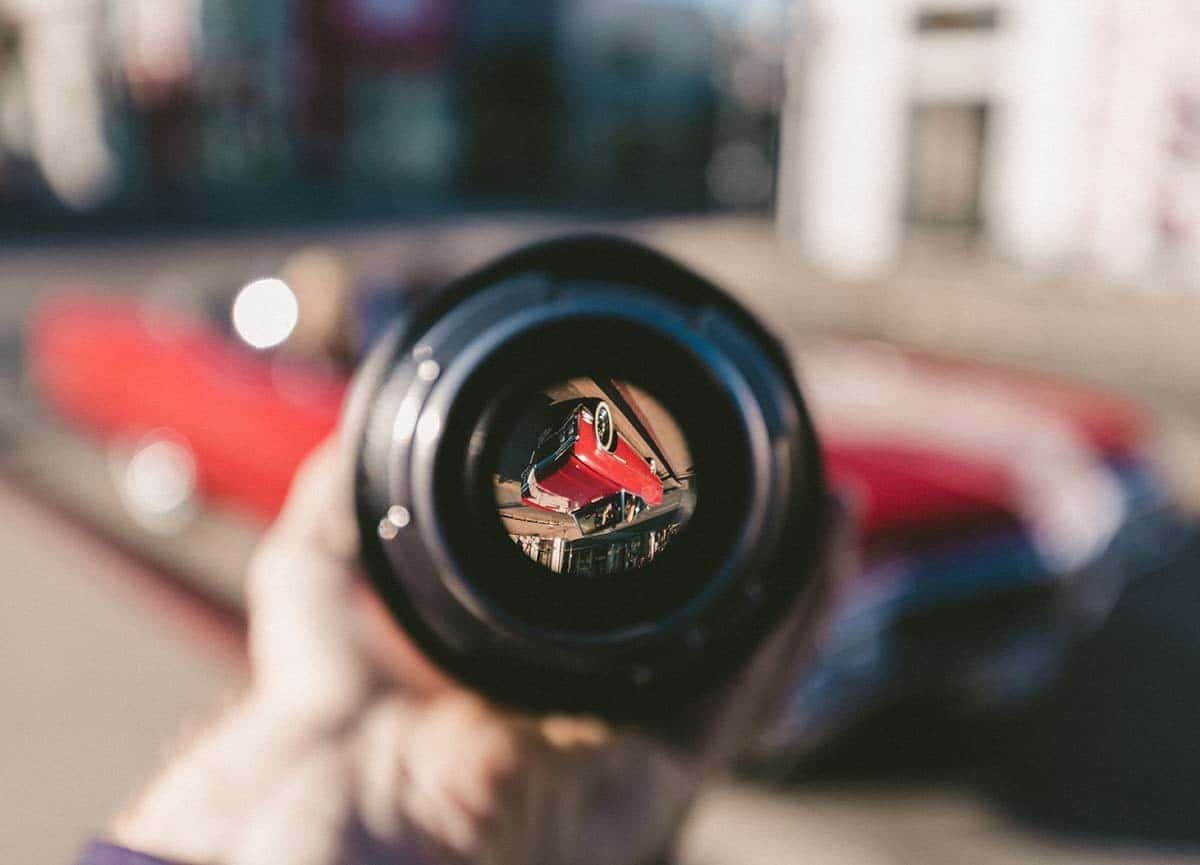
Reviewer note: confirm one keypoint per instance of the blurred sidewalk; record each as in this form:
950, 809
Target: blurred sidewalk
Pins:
95, 687
738, 824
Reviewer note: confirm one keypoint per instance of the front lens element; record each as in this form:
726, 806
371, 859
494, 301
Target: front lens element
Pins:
593, 478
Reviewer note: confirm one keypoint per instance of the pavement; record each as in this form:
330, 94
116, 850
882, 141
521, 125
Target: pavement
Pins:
97, 684
738, 824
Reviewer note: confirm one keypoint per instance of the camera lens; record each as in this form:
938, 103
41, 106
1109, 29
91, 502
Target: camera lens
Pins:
586, 479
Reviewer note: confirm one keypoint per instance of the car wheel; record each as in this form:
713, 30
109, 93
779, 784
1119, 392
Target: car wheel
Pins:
606, 430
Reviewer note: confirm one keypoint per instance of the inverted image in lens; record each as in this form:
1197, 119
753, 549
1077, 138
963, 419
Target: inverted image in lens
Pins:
594, 478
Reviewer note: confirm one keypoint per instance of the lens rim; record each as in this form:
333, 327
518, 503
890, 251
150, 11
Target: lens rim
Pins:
617, 607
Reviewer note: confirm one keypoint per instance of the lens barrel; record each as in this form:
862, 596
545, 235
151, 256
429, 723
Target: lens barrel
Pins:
430, 410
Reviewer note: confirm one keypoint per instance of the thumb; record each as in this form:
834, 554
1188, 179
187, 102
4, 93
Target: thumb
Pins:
304, 642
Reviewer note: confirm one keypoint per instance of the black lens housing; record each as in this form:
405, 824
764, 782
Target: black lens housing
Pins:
428, 409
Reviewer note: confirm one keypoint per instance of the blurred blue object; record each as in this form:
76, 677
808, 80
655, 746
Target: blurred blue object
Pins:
981, 624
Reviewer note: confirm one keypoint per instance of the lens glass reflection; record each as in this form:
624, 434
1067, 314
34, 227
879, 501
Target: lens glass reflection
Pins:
594, 478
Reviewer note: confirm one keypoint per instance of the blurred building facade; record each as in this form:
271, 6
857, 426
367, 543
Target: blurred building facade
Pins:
1066, 133
180, 108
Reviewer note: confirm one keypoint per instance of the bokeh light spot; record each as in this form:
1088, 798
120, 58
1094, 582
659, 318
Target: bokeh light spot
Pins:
265, 312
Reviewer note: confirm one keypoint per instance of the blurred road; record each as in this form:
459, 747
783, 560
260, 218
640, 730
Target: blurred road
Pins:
922, 826
95, 685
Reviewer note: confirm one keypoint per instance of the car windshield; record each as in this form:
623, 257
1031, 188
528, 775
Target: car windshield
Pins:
556, 438
600, 515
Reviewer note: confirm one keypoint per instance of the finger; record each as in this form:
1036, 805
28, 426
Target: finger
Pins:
303, 643
303, 630
447, 771
303, 820
421, 769
380, 744
466, 754
315, 626
483, 785
319, 510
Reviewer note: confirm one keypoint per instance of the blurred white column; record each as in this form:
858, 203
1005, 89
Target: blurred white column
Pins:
1146, 227
1043, 134
557, 552
1134, 126
1183, 255
845, 134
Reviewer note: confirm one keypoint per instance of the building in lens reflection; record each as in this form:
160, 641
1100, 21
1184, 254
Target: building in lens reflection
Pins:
600, 555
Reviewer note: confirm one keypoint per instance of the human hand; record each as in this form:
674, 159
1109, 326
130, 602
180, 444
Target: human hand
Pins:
349, 739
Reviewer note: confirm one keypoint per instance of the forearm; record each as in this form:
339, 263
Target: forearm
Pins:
207, 804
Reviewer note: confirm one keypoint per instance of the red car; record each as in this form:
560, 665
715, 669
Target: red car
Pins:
583, 461
121, 370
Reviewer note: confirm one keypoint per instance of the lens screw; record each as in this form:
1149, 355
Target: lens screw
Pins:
642, 676
397, 518
428, 370
754, 591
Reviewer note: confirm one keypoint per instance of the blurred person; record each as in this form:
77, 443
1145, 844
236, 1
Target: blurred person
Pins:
510, 93
325, 81
1178, 194
14, 135
350, 748
639, 103
341, 41
59, 44
159, 64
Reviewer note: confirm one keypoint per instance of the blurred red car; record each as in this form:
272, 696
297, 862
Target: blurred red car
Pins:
121, 369
584, 460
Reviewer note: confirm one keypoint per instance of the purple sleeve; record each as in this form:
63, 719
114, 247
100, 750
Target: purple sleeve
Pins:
360, 850
104, 853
